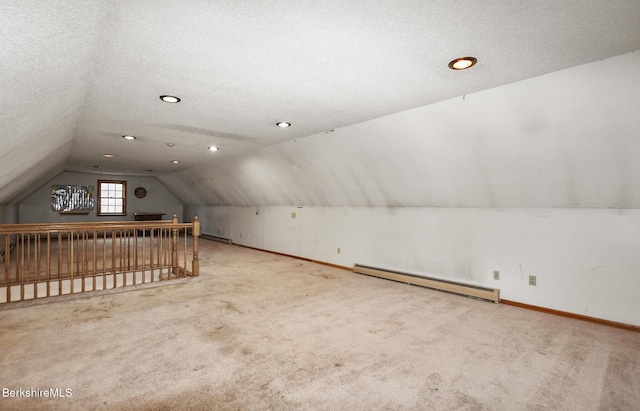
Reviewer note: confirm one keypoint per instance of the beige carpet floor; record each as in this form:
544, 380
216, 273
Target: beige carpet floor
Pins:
258, 331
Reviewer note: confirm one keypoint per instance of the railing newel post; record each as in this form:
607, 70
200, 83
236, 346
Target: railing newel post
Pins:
195, 268
174, 245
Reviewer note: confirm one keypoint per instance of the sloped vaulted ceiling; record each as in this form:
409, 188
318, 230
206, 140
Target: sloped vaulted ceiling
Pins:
47, 54
78, 75
566, 139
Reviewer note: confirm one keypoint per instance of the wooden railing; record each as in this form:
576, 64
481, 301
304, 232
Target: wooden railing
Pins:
43, 260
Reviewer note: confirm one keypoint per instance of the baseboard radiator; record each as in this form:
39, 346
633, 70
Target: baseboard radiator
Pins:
490, 294
216, 238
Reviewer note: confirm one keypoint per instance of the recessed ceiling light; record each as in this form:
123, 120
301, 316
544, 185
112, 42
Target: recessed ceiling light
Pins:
129, 137
213, 148
170, 145
170, 99
176, 161
283, 124
463, 63
108, 155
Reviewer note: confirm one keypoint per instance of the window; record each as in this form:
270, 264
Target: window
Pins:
112, 197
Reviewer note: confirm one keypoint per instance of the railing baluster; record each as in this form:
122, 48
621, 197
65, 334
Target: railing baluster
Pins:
123, 255
59, 263
136, 238
21, 268
104, 260
151, 241
113, 256
36, 251
48, 264
159, 248
128, 236
85, 259
27, 270
70, 263
81, 260
7, 264
95, 258
126, 263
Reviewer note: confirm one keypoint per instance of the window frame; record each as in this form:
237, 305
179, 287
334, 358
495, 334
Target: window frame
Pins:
100, 197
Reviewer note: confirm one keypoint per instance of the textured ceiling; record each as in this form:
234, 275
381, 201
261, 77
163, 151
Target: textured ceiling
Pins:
81, 74
568, 139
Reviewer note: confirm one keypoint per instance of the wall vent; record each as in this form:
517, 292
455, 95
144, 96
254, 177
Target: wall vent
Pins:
490, 294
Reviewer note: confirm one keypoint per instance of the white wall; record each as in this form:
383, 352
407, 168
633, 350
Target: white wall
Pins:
8, 213
586, 260
568, 139
36, 208
540, 177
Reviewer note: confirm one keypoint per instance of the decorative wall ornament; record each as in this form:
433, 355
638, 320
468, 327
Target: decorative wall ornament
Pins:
140, 192
72, 199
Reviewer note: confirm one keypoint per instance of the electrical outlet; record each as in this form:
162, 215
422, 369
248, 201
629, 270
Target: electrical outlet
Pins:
293, 215
338, 250
240, 235
496, 274
532, 280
